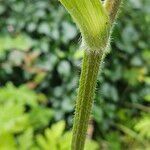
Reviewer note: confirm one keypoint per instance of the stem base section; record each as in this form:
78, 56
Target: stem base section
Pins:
84, 102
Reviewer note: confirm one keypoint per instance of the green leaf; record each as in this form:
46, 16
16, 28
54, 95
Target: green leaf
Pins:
91, 145
40, 117
51, 136
64, 68
143, 126
13, 122
65, 141
69, 31
20, 42
25, 140
44, 28
58, 129
7, 142
21, 95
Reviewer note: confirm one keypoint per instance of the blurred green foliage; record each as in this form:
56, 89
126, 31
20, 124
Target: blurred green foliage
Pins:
38, 47
24, 116
54, 139
21, 114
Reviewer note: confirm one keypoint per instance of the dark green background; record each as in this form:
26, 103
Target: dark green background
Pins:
39, 48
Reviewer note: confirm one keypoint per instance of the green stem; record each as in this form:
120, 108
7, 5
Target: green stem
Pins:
94, 21
90, 69
112, 7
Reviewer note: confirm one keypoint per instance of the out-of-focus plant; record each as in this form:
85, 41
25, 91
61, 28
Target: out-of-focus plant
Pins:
55, 138
143, 124
21, 114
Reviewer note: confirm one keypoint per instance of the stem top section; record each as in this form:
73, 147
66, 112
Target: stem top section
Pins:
112, 7
93, 21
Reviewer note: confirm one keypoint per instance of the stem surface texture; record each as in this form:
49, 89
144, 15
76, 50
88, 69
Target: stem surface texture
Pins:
87, 85
95, 21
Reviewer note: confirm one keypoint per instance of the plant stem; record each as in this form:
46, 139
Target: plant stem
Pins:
87, 85
94, 21
112, 7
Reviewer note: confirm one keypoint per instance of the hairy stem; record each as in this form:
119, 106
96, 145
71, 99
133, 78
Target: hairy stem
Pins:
90, 69
94, 21
112, 7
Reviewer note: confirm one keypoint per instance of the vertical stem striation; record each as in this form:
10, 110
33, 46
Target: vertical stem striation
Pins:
87, 85
94, 21
112, 7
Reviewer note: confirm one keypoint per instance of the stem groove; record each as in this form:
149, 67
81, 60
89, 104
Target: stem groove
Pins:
112, 7
87, 85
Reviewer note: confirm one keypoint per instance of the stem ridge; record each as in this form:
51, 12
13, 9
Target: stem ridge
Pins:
90, 69
95, 22
112, 7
